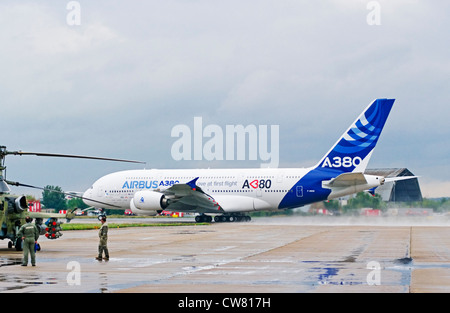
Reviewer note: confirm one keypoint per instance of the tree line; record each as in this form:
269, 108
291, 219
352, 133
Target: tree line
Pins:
53, 197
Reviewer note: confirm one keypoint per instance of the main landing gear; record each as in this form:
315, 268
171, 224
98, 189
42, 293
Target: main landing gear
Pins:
228, 218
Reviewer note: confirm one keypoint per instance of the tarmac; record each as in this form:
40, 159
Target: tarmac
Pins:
266, 255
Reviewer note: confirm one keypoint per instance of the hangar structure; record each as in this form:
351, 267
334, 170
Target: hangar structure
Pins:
407, 190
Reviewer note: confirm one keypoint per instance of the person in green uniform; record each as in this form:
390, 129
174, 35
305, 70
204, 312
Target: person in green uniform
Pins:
30, 235
103, 245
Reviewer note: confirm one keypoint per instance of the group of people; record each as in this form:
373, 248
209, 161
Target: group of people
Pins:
30, 234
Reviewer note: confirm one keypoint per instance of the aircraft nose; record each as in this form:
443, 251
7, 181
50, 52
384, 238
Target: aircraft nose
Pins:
87, 196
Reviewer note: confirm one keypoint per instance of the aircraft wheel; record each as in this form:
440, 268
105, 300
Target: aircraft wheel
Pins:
198, 219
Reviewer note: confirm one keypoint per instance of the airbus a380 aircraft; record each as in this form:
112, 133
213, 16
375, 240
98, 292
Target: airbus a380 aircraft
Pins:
229, 193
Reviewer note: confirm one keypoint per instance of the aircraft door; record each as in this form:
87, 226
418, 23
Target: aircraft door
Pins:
299, 191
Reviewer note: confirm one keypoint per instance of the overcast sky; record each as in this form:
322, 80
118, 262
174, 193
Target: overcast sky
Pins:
118, 83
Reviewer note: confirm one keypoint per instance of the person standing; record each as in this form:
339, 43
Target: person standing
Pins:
103, 244
30, 235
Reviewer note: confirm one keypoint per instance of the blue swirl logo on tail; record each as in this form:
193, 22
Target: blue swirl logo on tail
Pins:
355, 145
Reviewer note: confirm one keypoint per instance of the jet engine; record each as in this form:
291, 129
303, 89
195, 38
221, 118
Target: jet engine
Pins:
137, 211
17, 205
150, 200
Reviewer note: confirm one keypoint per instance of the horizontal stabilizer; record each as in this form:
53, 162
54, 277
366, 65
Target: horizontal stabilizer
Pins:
393, 179
347, 179
348, 183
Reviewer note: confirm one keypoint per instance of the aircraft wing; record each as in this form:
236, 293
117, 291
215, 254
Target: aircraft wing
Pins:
189, 197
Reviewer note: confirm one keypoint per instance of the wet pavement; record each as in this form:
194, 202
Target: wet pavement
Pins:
266, 255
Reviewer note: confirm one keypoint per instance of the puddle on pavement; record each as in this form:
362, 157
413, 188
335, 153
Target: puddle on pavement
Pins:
15, 282
326, 273
10, 261
404, 261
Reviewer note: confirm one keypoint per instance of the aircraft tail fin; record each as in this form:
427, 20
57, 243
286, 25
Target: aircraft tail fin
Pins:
351, 153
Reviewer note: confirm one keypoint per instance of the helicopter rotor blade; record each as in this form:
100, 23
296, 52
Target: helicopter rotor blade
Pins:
58, 155
57, 191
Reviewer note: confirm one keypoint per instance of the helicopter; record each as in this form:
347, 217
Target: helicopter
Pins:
14, 209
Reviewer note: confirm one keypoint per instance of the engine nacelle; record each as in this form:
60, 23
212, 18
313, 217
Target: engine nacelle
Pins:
149, 200
21, 204
17, 205
136, 211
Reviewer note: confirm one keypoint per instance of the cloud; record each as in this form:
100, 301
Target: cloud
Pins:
117, 84
47, 60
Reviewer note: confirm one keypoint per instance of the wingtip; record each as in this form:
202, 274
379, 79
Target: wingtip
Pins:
192, 183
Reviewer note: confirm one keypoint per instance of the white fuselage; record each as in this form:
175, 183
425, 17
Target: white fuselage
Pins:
268, 185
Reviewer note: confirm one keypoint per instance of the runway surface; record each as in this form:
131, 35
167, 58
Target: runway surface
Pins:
268, 255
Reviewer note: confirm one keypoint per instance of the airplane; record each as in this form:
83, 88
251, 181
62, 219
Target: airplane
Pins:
229, 194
